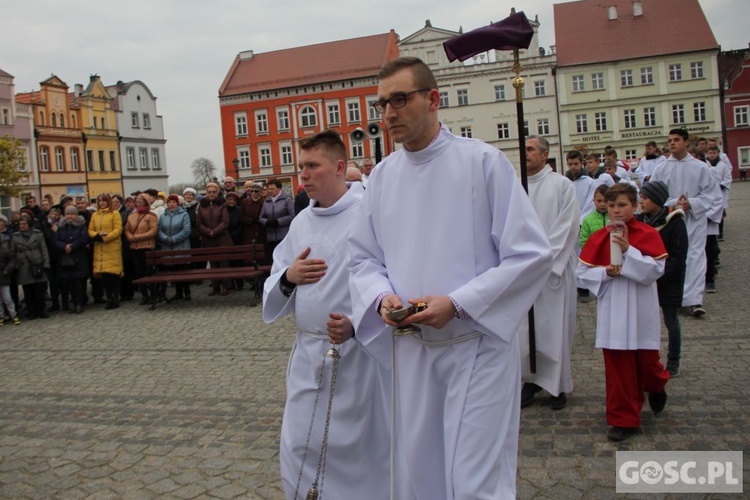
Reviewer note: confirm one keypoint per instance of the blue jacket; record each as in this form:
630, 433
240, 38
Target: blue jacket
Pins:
174, 230
281, 211
77, 235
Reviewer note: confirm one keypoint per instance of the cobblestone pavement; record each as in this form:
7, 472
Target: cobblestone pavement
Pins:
186, 401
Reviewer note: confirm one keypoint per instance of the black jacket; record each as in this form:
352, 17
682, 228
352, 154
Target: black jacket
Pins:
673, 232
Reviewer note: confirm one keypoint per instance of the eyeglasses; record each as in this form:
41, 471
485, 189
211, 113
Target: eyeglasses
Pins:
397, 101
255, 190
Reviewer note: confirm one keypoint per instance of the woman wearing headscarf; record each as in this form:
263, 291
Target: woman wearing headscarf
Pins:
32, 258
105, 228
141, 230
174, 234
72, 241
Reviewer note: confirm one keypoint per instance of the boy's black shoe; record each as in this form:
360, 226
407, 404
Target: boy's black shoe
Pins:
527, 394
697, 311
620, 433
559, 402
657, 401
710, 287
673, 367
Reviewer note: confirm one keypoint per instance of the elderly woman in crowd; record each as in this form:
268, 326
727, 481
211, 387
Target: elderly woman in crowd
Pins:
213, 223
276, 215
174, 234
48, 225
105, 228
71, 243
141, 230
252, 231
32, 259
7, 268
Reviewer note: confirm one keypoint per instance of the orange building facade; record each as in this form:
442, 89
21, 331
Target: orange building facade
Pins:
269, 101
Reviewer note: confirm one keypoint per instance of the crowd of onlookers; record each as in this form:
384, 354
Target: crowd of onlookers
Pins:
54, 251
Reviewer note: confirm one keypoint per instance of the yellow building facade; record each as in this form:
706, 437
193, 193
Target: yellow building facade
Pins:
99, 125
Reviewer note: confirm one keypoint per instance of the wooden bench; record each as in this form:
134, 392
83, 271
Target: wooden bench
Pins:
251, 256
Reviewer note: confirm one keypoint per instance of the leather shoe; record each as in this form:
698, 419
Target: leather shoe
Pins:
657, 401
527, 394
620, 433
224, 292
559, 402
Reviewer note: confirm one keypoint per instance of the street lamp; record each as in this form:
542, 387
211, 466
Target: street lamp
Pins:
235, 162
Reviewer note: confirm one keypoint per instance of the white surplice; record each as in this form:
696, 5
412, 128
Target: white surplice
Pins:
723, 175
692, 178
647, 166
358, 445
585, 188
555, 203
451, 219
627, 308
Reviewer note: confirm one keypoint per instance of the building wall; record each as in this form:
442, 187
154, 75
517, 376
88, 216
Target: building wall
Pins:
737, 115
698, 95
480, 95
251, 126
140, 127
99, 124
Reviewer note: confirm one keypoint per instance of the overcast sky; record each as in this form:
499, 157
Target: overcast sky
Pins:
182, 49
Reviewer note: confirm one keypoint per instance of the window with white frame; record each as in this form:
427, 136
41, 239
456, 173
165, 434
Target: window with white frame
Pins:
631, 154
44, 158
578, 85
696, 69
649, 117
466, 131
626, 78
265, 156
286, 154
647, 75
307, 117
500, 92
526, 132
130, 158
155, 163
240, 124
74, 161
243, 155
600, 120
282, 119
463, 97
675, 72
741, 116
744, 154
444, 101
372, 113
699, 111
582, 125
261, 121
678, 113
352, 110
597, 81
134, 120
146, 121
357, 150
540, 89
143, 153
334, 115
6, 116
542, 126
23, 163
60, 159
629, 115
503, 131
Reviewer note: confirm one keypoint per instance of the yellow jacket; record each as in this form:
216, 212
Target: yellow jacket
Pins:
108, 252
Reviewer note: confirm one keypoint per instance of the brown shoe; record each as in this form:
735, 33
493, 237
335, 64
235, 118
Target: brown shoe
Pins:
212, 292
224, 292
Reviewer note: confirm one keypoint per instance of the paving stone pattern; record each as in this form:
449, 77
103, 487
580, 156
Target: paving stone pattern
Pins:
186, 401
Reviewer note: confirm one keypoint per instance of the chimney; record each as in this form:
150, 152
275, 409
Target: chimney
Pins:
637, 8
553, 49
78, 89
246, 55
612, 13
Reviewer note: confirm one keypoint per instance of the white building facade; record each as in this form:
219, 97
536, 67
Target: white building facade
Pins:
142, 143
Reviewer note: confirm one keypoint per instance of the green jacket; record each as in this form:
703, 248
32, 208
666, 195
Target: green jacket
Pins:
591, 224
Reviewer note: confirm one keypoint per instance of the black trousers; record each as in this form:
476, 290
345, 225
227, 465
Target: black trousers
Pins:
33, 294
140, 270
712, 252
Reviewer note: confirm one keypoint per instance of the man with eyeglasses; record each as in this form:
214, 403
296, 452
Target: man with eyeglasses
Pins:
477, 263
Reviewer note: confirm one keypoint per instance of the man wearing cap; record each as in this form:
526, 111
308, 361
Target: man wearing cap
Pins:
671, 227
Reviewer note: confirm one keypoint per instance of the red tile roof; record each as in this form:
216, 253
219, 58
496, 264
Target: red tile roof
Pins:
29, 97
323, 62
585, 35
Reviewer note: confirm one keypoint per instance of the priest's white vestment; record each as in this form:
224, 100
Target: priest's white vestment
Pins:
692, 178
359, 442
556, 204
451, 219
